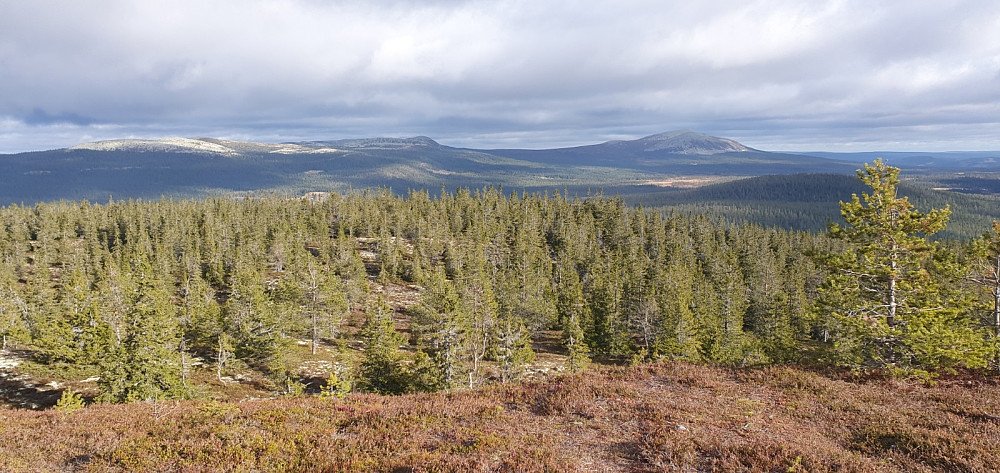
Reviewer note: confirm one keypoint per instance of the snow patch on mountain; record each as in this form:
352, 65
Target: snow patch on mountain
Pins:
205, 146
176, 145
297, 149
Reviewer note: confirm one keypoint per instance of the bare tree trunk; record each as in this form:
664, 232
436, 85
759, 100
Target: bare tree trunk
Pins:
183, 363
996, 310
890, 318
315, 332
996, 294
314, 305
221, 359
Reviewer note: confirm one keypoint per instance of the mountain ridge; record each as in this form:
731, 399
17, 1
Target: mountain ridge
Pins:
200, 167
683, 142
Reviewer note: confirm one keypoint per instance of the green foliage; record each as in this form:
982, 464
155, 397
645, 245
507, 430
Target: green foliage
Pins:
576, 346
440, 324
512, 349
945, 338
984, 274
145, 364
888, 310
253, 321
70, 401
71, 330
13, 323
326, 304
293, 387
237, 282
338, 385
382, 370
425, 375
201, 317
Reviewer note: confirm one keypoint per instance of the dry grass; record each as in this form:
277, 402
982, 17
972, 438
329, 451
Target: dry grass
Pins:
658, 417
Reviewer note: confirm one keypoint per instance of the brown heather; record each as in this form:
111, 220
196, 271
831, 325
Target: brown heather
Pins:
655, 417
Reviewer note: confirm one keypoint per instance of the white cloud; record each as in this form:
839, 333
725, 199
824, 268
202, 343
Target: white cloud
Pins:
547, 73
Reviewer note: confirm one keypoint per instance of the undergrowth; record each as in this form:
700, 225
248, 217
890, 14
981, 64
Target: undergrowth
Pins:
650, 417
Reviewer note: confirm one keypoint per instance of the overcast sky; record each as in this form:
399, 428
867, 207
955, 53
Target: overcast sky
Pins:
775, 75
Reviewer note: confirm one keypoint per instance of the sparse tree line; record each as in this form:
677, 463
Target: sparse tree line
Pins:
135, 291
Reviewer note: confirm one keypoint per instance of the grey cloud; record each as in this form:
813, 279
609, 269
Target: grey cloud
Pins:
514, 73
41, 117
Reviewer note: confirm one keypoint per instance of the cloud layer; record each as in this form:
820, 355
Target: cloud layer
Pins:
775, 74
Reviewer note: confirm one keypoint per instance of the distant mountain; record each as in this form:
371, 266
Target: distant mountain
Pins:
182, 167
685, 142
196, 167
684, 152
917, 161
373, 143
240, 148
166, 145
810, 201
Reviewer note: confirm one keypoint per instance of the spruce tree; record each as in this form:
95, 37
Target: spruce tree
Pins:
571, 311
252, 320
573, 340
13, 316
440, 324
382, 369
512, 349
146, 363
477, 293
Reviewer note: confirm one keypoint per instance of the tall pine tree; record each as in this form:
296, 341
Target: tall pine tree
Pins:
887, 306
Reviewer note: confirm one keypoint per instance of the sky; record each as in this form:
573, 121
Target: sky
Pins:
776, 75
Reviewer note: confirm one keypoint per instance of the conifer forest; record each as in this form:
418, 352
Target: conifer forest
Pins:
142, 293
177, 299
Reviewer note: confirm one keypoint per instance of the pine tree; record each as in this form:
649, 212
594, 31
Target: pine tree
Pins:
984, 271
888, 307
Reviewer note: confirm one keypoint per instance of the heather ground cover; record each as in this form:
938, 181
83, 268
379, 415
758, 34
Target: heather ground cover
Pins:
650, 417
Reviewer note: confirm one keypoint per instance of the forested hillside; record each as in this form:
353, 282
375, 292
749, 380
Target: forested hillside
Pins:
777, 350
146, 295
114, 287
809, 202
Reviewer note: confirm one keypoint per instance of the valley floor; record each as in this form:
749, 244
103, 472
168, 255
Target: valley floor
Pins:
653, 417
